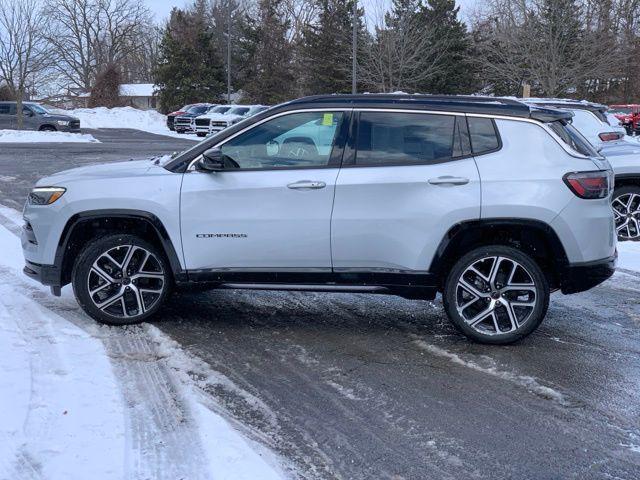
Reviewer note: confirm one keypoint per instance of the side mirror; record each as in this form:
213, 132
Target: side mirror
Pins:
212, 161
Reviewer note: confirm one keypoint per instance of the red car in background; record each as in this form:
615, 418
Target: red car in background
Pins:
629, 116
172, 116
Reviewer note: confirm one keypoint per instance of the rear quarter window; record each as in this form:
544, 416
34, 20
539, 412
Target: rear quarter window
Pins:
484, 136
573, 138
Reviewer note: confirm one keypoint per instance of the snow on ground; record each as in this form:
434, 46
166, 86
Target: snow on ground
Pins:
29, 136
80, 400
125, 117
629, 256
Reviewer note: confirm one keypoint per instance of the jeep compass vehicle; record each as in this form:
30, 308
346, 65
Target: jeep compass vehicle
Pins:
36, 117
491, 202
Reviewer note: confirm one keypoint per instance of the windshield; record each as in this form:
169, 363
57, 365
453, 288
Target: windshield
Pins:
238, 111
572, 137
626, 111
37, 108
219, 109
198, 109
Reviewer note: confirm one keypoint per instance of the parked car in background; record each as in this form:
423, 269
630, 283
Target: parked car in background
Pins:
172, 116
406, 195
185, 123
36, 117
629, 116
233, 116
624, 157
203, 122
588, 117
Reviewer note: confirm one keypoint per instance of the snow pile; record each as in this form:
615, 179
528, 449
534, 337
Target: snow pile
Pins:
124, 117
29, 136
629, 256
80, 400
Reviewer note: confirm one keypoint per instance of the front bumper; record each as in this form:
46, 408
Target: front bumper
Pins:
579, 277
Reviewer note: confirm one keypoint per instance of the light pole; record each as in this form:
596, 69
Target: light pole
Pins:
228, 51
354, 47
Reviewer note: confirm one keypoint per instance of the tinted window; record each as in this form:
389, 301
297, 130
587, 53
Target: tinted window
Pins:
483, 135
199, 109
404, 138
295, 140
4, 109
238, 111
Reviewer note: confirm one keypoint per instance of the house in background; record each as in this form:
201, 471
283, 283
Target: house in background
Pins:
137, 95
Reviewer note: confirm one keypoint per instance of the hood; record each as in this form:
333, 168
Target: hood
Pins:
176, 113
221, 116
56, 116
135, 168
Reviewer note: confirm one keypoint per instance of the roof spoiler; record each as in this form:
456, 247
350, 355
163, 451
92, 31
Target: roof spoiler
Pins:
548, 115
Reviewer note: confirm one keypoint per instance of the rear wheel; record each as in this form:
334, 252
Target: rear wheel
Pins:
121, 279
496, 295
47, 128
626, 210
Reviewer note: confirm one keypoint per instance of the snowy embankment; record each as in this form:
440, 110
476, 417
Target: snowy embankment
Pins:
125, 117
629, 256
29, 136
79, 400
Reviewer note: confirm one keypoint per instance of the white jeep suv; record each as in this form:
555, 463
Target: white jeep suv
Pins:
490, 202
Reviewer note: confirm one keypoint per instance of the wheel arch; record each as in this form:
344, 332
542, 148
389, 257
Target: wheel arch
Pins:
627, 179
533, 237
87, 225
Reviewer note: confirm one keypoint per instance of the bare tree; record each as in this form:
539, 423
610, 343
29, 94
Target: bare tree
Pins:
555, 45
89, 34
24, 53
403, 53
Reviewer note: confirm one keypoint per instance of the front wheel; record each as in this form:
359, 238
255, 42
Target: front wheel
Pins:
496, 294
121, 279
626, 211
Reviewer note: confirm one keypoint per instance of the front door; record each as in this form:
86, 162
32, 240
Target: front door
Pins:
7, 116
271, 209
409, 181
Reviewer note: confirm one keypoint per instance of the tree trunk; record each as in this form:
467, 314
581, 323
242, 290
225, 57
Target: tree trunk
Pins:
20, 116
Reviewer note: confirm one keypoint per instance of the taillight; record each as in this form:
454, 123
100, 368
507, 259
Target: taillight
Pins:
610, 136
588, 184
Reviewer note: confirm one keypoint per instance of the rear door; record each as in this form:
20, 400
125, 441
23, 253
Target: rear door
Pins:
406, 179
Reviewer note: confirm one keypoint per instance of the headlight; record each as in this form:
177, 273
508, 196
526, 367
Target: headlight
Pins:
45, 195
63, 123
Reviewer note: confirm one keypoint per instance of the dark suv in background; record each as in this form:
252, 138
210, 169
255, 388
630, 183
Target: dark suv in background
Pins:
36, 117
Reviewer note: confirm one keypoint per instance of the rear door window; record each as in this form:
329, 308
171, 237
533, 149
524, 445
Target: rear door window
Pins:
5, 110
386, 138
484, 136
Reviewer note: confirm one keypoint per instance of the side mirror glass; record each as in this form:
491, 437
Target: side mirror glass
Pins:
212, 160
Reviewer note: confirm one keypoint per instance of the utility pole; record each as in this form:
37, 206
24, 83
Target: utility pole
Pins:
354, 47
228, 51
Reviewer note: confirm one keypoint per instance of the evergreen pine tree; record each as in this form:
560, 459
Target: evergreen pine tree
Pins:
270, 79
328, 47
190, 67
456, 75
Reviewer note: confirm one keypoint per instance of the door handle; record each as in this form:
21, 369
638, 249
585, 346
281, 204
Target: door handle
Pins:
307, 185
448, 180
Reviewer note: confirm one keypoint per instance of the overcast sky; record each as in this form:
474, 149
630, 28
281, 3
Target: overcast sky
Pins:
161, 8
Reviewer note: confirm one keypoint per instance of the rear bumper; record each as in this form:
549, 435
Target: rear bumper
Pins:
578, 277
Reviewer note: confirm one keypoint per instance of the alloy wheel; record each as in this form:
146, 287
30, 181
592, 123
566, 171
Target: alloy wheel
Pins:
626, 210
126, 281
496, 295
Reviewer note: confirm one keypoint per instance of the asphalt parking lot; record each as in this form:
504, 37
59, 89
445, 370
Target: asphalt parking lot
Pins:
375, 387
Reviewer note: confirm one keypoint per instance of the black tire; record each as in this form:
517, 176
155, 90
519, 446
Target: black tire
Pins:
527, 318
138, 307
621, 196
201, 134
48, 128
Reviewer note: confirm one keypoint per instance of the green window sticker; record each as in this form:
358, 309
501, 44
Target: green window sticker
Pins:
327, 119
